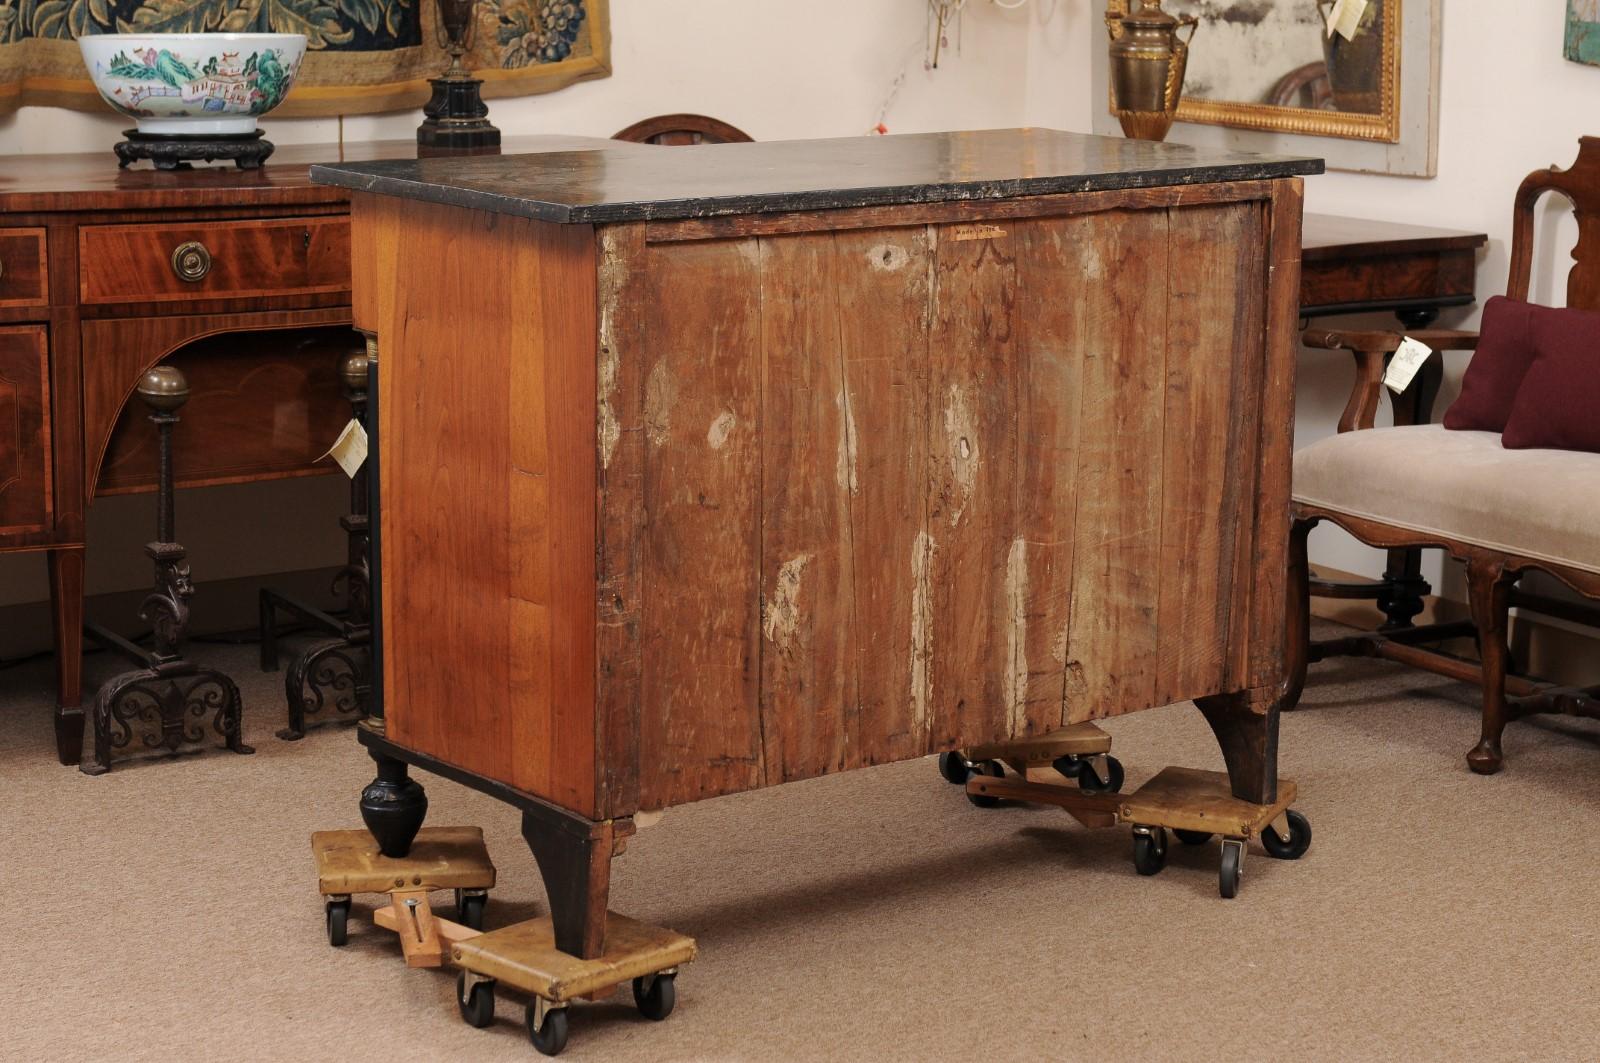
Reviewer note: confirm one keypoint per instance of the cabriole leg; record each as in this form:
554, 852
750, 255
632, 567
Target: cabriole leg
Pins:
1489, 594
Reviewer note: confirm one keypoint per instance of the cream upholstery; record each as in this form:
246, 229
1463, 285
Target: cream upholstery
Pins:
1538, 504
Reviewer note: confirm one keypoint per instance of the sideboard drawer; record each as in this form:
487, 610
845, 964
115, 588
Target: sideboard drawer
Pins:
23, 272
25, 496
216, 260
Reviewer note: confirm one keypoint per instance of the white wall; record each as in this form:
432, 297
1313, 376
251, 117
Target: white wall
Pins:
1510, 103
778, 70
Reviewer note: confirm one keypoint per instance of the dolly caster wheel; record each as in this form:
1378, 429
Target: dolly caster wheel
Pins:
338, 918
1089, 780
1149, 849
470, 908
476, 1001
547, 1027
954, 767
655, 995
992, 769
1232, 867
1295, 845
1192, 837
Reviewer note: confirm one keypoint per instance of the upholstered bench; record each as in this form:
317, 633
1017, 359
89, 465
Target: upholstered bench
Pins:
1504, 501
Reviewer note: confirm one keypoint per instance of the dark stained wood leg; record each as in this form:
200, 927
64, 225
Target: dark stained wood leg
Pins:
1489, 594
1402, 602
393, 806
1298, 615
66, 610
574, 857
1246, 726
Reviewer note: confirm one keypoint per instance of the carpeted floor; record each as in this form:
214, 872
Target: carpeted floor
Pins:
168, 911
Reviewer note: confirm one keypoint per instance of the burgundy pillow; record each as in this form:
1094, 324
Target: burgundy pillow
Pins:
1504, 352
1558, 404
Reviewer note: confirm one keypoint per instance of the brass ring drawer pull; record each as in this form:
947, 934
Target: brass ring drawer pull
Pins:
191, 261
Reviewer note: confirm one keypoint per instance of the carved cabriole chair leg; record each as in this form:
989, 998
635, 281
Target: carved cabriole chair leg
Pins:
1489, 595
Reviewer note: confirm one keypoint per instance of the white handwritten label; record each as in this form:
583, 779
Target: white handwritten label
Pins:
350, 449
1345, 18
1405, 363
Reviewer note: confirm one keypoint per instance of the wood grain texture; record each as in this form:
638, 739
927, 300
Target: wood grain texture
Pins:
972, 485
252, 258
701, 626
26, 493
1213, 352
884, 286
254, 375
24, 267
486, 433
809, 691
1114, 639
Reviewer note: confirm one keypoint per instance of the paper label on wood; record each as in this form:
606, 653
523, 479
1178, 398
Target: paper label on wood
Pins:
976, 232
1345, 17
350, 449
1405, 363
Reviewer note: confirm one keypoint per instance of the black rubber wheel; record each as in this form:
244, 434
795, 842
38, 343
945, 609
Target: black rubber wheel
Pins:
1228, 876
1192, 837
953, 766
470, 909
1295, 845
992, 769
1069, 766
656, 1002
550, 1038
1150, 851
1089, 780
477, 1006
338, 913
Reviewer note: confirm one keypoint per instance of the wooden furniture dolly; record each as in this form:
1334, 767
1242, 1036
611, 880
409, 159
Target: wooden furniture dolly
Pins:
523, 955
1194, 804
715, 468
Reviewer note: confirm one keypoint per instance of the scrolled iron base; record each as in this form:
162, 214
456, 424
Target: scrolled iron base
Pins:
164, 707
331, 682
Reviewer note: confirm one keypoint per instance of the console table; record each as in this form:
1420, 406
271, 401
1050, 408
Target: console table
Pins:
742, 464
240, 277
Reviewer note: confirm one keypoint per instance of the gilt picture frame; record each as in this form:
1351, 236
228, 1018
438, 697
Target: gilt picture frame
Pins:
1396, 135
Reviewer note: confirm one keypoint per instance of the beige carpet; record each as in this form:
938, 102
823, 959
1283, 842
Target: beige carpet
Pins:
167, 911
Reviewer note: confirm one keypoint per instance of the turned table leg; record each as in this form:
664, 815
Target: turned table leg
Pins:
66, 611
1246, 726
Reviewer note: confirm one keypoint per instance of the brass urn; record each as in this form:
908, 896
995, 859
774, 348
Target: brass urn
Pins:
1147, 65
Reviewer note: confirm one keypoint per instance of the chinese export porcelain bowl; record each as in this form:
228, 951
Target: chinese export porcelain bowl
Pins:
195, 84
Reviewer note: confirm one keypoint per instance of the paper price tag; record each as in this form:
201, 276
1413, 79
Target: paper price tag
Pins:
350, 449
1405, 363
1345, 17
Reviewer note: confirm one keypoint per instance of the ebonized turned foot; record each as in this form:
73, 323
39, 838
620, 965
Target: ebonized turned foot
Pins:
393, 807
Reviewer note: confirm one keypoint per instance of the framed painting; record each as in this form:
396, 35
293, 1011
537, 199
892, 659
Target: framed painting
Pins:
363, 56
1583, 31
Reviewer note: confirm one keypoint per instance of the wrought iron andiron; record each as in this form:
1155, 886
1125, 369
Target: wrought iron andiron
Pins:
165, 703
332, 679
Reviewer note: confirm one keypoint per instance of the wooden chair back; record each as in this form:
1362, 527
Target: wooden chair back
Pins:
1580, 183
674, 129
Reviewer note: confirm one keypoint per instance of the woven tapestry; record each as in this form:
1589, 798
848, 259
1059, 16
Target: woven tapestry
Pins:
362, 57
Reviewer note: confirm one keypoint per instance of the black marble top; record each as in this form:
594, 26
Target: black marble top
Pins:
614, 182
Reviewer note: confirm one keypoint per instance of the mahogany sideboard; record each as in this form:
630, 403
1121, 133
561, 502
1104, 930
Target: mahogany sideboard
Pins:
735, 465
241, 277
